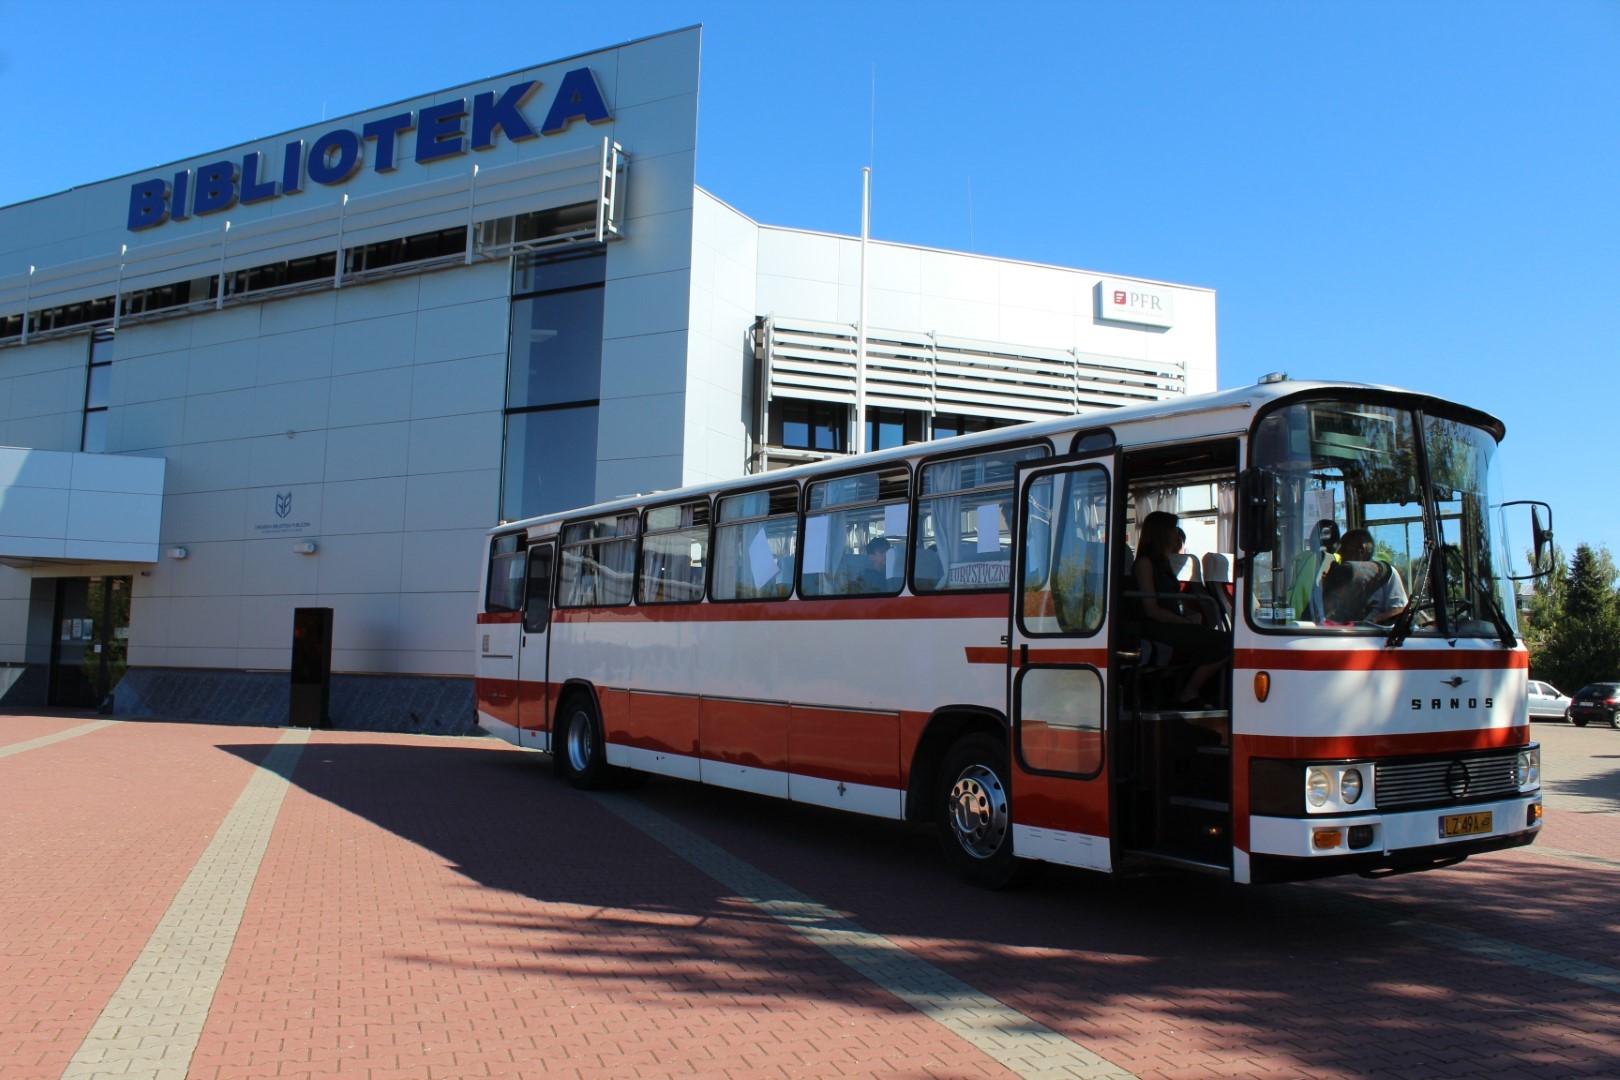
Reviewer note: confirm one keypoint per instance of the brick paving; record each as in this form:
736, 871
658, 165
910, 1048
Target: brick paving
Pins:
435, 907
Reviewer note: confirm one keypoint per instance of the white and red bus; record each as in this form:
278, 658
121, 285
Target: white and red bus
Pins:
944, 632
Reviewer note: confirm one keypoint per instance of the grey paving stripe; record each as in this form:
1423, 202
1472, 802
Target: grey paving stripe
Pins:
46, 740
151, 1025
1024, 1045
1375, 913
1572, 856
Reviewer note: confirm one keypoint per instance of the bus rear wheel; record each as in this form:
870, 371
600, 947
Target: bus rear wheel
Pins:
975, 814
581, 751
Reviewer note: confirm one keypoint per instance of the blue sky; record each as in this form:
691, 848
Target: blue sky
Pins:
1425, 195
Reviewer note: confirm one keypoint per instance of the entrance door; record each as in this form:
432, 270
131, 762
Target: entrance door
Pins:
91, 647
1059, 674
534, 689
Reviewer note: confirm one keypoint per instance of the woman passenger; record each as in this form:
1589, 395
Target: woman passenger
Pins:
1164, 618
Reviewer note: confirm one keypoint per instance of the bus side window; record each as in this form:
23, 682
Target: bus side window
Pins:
504, 589
537, 604
755, 545
963, 511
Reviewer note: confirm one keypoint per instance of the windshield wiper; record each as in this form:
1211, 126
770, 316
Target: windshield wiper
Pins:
1422, 583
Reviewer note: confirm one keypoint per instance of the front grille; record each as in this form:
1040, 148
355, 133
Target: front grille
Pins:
1445, 781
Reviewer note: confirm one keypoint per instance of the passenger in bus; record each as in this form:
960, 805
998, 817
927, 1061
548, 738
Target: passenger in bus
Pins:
874, 574
1359, 588
1162, 616
1309, 566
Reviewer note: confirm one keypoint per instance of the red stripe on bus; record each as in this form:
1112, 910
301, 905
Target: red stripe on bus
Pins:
997, 654
498, 698
1380, 659
499, 617
1389, 744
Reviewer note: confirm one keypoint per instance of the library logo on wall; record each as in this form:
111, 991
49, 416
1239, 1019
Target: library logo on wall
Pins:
281, 512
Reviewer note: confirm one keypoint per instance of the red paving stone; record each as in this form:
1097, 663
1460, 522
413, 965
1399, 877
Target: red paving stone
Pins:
445, 908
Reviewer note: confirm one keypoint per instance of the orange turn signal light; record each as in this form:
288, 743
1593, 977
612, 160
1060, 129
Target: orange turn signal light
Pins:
1326, 839
1262, 685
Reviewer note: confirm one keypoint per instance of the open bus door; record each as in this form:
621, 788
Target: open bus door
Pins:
534, 655
1059, 670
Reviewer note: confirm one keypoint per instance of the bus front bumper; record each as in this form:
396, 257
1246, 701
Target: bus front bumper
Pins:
1294, 849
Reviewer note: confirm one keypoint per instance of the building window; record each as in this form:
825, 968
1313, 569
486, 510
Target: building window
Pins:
96, 384
888, 428
553, 388
949, 424
811, 425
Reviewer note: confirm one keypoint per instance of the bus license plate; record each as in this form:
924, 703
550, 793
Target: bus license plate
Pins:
1464, 825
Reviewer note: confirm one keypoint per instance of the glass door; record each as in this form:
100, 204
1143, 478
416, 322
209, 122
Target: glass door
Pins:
91, 648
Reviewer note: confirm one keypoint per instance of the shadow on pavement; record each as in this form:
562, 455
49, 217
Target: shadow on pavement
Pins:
1350, 976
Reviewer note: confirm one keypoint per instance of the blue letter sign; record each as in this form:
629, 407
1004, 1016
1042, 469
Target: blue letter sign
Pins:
443, 130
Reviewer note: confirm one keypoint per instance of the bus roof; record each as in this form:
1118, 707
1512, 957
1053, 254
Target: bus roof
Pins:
1244, 399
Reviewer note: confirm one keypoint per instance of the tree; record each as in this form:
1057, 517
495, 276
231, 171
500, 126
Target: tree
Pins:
1574, 621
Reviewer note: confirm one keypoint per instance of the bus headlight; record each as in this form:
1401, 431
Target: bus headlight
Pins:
1350, 786
1335, 789
1527, 768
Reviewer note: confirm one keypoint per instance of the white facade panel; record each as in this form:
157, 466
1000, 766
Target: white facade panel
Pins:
354, 453
451, 333
359, 563
453, 444
450, 500
215, 466
296, 355
363, 506
371, 397
231, 324
442, 561
281, 459
649, 304
273, 568
230, 365
147, 378
373, 343
454, 387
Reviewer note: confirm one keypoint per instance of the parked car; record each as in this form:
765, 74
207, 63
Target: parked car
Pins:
1598, 701
1547, 702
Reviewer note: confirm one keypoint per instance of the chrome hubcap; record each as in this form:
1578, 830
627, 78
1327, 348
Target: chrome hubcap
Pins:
978, 808
580, 748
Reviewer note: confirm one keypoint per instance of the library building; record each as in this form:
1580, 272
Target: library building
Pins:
314, 369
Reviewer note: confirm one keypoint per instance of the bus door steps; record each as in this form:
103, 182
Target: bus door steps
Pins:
1193, 802
1146, 860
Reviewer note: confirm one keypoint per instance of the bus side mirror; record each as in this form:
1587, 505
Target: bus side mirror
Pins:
1257, 515
1541, 536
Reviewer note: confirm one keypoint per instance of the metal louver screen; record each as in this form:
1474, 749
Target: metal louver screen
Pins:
916, 370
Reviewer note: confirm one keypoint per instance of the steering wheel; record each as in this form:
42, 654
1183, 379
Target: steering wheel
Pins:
1456, 610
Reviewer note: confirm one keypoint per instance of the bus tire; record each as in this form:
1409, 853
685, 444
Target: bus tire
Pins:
581, 754
975, 813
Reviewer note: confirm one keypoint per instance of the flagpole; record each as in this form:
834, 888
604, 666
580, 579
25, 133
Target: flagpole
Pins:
859, 442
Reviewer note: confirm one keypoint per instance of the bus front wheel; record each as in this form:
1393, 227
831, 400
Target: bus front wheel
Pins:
581, 754
975, 820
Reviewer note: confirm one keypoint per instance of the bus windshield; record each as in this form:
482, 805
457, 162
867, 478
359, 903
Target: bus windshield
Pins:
1380, 525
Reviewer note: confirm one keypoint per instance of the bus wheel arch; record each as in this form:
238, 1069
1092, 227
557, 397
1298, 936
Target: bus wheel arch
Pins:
578, 742
947, 727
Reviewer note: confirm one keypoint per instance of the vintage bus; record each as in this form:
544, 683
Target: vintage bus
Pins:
952, 632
